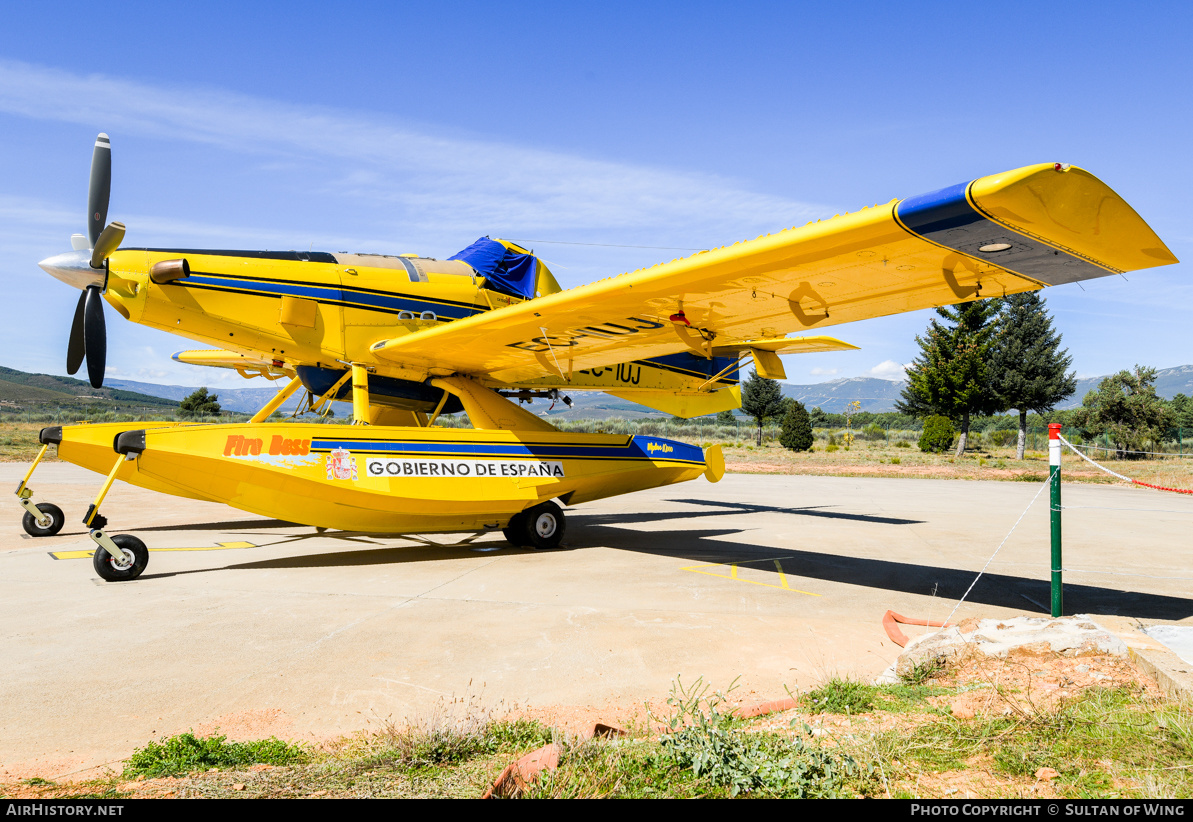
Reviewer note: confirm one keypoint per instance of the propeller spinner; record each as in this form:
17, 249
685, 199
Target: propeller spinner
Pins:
85, 269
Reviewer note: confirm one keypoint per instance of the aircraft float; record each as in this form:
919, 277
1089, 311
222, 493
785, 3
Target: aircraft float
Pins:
408, 338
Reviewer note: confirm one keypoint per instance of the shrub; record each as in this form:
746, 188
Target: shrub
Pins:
186, 752
903, 444
938, 435
874, 432
796, 433
831, 447
1003, 437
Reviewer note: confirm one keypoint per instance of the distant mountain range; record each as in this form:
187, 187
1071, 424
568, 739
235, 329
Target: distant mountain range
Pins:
879, 395
37, 391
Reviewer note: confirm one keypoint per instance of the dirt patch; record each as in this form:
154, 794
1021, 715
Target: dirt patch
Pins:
248, 725
1029, 680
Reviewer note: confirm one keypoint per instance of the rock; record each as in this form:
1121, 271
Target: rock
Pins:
1069, 636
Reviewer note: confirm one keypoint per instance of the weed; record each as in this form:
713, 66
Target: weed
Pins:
1029, 477
449, 736
841, 696
831, 447
36, 780
903, 444
713, 746
923, 671
186, 752
896, 461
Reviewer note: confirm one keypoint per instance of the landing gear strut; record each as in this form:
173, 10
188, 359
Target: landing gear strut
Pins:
43, 519
122, 557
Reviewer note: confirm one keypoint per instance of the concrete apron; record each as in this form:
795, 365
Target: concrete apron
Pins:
257, 627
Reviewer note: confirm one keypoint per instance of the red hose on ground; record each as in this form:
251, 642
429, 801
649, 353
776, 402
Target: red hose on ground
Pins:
898, 637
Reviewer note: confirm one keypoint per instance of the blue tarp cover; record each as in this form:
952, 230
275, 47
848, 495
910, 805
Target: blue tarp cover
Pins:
506, 271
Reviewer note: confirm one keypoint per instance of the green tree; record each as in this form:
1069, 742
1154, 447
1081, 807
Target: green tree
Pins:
1182, 409
762, 399
726, 418
1126, 408
1029, 371
950, 377
937, 435
818, 418
796, 433
200, 404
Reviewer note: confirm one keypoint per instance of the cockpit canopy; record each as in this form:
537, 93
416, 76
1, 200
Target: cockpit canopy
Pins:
508, 268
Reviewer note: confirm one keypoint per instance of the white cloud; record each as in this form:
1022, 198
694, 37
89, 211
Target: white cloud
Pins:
433, 180
824, 372
888, 370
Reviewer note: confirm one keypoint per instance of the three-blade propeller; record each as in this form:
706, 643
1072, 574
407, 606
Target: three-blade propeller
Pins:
88, 332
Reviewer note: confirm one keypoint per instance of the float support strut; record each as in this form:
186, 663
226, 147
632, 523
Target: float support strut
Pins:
276, 402
360, 394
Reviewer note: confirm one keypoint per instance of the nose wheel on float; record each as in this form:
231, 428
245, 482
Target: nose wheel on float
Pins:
540, 527
42, 519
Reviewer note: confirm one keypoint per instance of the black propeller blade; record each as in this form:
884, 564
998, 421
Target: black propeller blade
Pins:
76, 349
100, 189
88, 332
95, 336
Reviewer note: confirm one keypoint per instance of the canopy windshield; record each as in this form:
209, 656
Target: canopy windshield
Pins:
505, 267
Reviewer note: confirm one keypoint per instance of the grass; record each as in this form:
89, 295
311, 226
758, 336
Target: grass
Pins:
185, 752
1109, 743
890, 741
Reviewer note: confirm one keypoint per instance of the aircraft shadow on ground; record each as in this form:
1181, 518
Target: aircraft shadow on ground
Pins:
703, 546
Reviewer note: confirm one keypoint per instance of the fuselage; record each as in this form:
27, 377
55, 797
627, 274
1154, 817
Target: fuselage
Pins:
313, 313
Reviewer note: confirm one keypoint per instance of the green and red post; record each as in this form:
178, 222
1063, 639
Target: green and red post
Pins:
1054, 447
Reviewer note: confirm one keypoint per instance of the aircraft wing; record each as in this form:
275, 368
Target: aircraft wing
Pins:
1018, 231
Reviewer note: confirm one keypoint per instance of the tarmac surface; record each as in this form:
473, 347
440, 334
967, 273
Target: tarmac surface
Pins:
258, 627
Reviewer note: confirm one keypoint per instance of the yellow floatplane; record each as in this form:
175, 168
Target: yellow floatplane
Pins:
409, 338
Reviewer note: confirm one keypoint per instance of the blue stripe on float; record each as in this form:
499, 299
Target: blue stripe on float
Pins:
638, 448
948, 218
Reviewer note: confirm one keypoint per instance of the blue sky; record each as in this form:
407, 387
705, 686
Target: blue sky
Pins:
419, 127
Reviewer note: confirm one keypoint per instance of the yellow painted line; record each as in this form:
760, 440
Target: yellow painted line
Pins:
732, 575
219, 546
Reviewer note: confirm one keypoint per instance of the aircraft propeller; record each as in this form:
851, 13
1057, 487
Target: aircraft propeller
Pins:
85, 268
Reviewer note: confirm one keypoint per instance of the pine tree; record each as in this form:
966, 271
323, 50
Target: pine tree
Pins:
761, 398
950, 377
199, 404
796, 433
1029, 371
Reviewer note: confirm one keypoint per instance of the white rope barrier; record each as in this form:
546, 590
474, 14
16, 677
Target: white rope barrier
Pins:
1094, 464
1043, 485
1101, 467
